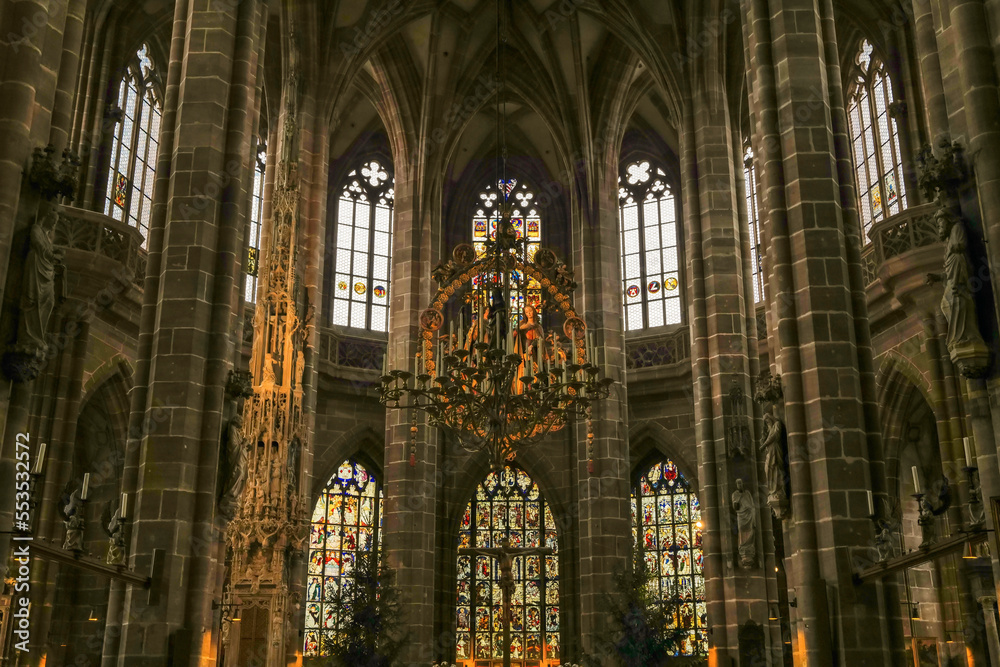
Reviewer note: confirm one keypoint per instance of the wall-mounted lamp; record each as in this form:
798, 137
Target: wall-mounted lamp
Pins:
772, 612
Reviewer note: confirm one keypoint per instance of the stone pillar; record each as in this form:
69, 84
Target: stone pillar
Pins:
411, 493
822, 348
931, 82
602, 475
194, 268
989, 605
737, 591
66, 84
142, 421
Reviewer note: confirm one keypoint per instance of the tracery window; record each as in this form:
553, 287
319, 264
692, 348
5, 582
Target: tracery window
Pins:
875, 138
753, 220
129, 195
527, 225
364, 249
346, 521
667, 528
507, 505
253, 242
650, 258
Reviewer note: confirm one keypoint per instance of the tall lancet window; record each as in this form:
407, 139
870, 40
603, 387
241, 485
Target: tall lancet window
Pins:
132, 167
346, 522
875, 137
753, 221
364, 249
651, 289
508, 508
666, 526
252, 266
527, 224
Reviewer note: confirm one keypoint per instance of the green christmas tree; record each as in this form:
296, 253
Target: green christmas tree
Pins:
368, 628
641, 632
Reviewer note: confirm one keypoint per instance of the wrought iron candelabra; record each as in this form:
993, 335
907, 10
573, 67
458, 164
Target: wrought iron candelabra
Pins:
501, 384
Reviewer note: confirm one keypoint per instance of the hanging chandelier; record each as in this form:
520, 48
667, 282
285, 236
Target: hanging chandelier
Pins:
501, 383
497, 381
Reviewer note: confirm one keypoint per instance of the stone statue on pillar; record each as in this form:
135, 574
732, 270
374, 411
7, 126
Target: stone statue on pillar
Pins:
774, 449
746, 521
965, 343
235, 459
38, 288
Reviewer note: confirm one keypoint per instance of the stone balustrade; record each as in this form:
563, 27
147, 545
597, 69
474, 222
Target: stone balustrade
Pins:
94, 232
666, 349
913, 228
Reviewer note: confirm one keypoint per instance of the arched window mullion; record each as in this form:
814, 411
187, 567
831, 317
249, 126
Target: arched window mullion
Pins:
666, 527
346, 522
363, 239
650, 246
875, 140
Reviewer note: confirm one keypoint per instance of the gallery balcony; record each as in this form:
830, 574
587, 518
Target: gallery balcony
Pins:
104, 263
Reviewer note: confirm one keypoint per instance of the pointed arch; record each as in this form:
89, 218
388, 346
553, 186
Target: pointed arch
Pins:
508, 507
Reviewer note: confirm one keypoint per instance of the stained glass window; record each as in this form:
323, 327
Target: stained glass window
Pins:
252, 265
364, 249
753, 220
651, 287
346, 520
666, 526
527, 225
132, 166
875, 139
508, 506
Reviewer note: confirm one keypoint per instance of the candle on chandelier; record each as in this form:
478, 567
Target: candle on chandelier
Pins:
871, 504
385, 362
86, 486
970, 458
916, 480
123, 509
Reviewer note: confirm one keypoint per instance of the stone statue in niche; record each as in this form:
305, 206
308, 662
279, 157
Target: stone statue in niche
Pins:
746, 521
737, 431
236, 457
774, 447
958, 304
38, 287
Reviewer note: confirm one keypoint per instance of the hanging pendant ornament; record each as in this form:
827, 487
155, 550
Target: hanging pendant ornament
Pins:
413, 438
499, 383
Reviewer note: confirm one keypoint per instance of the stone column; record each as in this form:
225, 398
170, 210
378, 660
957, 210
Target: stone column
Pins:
186, 343
989, 605
602, 475
66, 84
142, 421
822, 348
737, 591
931, 82
411, 492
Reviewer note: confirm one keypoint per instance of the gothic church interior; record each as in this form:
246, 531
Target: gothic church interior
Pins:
514, 297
